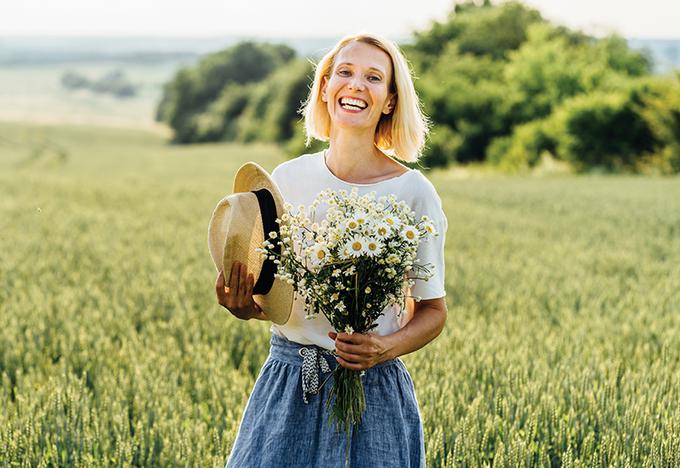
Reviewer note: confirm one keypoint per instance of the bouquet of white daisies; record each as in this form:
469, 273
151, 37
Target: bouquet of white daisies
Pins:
350, 266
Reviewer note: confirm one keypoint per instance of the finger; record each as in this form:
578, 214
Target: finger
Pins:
243, 281
219, 285
251, 285
349, 347
233, 279
348, 365
350, 357
356, 338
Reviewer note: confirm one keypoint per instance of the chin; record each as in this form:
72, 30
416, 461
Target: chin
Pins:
352, 123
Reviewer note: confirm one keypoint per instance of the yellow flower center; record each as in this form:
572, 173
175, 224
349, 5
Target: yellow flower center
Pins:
409, 234
352, 224
320, 254
382, 231
356, 246
372, 246
389, 221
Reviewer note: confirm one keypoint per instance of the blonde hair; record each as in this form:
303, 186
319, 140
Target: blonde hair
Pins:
402, 132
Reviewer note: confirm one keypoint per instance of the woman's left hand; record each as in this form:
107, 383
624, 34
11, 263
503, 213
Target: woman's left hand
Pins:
360, 351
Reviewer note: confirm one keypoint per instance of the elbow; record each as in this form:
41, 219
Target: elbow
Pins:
438, 312
442, 315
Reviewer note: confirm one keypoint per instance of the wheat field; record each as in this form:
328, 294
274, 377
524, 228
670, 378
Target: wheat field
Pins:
562, 345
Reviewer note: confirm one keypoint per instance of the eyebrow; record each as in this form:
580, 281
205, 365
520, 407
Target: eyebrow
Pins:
370, 68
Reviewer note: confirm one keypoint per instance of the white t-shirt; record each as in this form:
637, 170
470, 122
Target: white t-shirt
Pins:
300, 181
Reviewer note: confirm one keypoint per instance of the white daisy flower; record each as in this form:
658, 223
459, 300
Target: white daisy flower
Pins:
409, 233
429, 227
361, 217
352, 224
382, 230
319, 253
356, 246
393, 221
344, 253
373, 247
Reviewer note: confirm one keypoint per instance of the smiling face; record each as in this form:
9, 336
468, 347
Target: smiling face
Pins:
357, 92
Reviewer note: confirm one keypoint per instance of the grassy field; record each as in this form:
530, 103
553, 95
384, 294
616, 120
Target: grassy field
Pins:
34, 93
562, 346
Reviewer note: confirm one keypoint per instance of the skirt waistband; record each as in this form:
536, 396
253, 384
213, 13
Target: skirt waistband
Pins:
292, 352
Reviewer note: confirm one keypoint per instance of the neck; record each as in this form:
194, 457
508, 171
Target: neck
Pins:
353, 155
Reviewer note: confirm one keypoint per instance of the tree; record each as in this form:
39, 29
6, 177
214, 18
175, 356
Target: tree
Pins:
194, 89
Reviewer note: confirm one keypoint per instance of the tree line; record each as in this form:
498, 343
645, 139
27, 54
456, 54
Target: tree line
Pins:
500, 83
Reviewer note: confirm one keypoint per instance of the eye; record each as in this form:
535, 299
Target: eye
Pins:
377, 78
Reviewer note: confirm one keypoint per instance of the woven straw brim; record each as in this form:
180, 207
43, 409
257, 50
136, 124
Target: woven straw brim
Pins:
253, 177
235, 231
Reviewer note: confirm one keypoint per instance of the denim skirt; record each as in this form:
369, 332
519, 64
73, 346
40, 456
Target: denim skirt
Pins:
279, 429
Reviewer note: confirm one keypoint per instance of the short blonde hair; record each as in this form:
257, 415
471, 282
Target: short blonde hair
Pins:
402, 132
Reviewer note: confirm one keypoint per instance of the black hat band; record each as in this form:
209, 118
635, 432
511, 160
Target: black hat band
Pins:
268, 213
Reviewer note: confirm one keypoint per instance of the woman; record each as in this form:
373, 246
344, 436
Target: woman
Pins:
364, 103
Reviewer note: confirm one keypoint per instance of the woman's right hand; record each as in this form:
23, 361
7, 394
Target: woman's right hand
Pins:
237, 297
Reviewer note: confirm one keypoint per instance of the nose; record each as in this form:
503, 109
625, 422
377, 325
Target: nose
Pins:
356, 84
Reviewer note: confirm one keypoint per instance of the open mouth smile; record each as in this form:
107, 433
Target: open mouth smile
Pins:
352, 105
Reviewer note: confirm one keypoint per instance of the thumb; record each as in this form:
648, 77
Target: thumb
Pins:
332, 335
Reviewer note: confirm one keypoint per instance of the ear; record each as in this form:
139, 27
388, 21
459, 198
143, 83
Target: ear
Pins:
324, 84
391, 102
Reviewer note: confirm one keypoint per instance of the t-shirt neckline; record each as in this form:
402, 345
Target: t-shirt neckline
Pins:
322, 157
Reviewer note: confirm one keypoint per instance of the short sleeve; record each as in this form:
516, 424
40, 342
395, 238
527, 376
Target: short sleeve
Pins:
278, 175
431, 249
275, 175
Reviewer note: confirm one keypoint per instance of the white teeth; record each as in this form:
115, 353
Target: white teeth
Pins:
350, 106
354, 102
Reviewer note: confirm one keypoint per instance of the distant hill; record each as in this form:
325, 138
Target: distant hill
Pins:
61, 50
146, 50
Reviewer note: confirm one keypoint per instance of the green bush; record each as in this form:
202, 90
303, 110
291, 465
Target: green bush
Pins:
222, 116
295, 146
660, 109
455, 96
274, 104
480, 29
442, 148
523, 149
194, 89
602, 131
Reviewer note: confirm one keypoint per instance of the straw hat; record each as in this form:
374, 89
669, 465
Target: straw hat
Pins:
237, 227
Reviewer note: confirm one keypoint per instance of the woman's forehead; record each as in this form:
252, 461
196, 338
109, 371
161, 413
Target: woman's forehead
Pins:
364, 55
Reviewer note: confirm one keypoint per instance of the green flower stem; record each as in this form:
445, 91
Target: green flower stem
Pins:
346, 402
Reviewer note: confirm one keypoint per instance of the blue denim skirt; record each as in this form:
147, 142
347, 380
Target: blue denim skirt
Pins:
279, 429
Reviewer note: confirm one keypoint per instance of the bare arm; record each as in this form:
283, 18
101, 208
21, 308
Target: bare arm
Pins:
427, 323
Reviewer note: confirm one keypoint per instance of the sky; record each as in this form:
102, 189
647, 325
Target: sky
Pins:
659, 19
